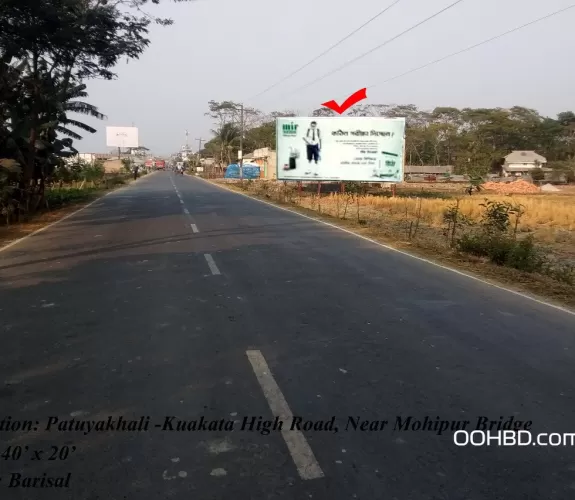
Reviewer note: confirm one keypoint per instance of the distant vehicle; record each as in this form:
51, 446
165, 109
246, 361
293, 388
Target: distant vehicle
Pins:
161, 164
149, 163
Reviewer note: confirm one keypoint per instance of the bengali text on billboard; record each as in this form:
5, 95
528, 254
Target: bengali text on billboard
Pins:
362, 149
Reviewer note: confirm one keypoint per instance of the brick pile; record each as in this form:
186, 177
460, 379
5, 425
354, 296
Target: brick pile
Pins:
516, 187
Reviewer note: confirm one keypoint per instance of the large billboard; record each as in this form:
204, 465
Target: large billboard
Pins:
122, 137
362, 149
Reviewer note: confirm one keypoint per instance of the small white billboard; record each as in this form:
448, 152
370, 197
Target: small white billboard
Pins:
122, 137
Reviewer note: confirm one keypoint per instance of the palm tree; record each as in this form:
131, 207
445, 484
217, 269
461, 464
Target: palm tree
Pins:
227, 135
39, 140
70, 105
56, 122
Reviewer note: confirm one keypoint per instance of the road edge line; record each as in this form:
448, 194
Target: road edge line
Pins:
44, 228
403, 252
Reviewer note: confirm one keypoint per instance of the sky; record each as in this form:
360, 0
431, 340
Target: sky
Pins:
230, 50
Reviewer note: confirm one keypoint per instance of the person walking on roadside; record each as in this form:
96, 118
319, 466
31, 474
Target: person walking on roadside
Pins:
136, 168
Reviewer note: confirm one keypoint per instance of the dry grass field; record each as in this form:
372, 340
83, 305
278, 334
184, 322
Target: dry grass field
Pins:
549, 217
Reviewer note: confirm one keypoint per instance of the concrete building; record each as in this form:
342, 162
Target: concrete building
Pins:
207, 162
429, 169
519, 163
139, 151
266, 159
427, 172
91, 158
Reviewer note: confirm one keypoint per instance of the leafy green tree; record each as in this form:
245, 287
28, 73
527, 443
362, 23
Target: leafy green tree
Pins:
474, 140
227, 136
47, 50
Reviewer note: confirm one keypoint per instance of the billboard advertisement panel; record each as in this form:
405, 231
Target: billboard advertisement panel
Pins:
362, 149
122, 137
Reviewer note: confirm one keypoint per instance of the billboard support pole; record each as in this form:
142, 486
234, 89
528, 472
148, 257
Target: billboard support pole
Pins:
241, 142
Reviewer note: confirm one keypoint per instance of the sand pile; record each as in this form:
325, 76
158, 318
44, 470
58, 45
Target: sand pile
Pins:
549, 188
516, 187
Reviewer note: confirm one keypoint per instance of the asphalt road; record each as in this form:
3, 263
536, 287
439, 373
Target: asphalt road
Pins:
176, 298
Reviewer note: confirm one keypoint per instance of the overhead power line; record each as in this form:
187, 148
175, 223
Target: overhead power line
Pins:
326, 51
339, 68
474, 46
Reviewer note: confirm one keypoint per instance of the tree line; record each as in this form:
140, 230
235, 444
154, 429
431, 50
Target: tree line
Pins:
473, 140
49, 49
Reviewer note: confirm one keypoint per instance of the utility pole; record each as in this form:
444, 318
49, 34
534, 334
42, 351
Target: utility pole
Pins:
200, 140
241, 153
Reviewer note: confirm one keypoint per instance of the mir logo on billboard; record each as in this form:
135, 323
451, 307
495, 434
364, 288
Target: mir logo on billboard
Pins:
289, 129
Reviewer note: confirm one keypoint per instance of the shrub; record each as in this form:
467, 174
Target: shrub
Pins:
60, 197
472, 244
564, 272
537, 174
525, 256
94, 173
496, 239
115, 180
504, 250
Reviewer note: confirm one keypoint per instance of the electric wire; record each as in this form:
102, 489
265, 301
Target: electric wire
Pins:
380, 13
471, 47
344, 65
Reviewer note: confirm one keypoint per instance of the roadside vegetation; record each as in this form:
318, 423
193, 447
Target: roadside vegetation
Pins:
48, 51
70, 187
525, 239
473, 141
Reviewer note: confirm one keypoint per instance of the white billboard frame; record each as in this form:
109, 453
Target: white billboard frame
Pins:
360, 149
122, 137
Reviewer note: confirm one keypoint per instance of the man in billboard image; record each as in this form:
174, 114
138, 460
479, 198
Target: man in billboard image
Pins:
312, 140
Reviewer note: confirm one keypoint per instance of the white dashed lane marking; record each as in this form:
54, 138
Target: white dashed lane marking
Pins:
212, 265
300, 450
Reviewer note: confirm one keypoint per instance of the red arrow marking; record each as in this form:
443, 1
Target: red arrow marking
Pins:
354, 98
